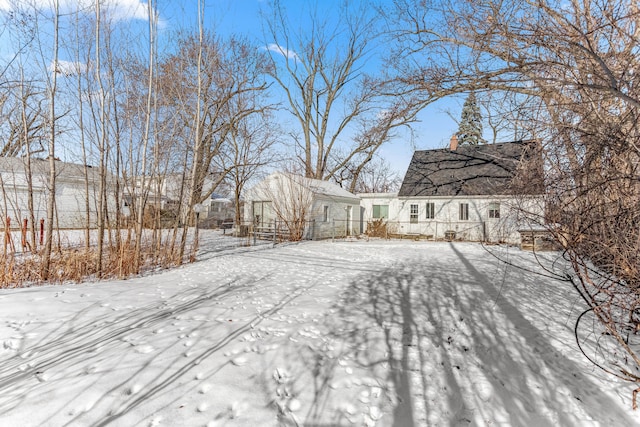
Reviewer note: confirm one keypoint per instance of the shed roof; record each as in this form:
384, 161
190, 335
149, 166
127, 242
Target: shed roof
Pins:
64, 171
471, 170
317, 186
330, 189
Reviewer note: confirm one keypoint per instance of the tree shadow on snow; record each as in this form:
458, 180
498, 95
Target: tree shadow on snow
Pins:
100, 347
451, 349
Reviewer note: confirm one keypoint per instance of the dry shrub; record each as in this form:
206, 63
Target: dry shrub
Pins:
377, 228
77, 265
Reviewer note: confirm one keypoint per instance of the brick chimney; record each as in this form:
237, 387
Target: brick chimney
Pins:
453, 142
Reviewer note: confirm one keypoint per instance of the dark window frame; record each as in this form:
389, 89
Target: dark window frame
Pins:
464, 212
413, 213
494, 210
431, 210
380, 215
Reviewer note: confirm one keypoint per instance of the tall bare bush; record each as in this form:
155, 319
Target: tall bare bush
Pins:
291, 201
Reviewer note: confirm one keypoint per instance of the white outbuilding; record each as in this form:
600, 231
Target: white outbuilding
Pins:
306, 208
71, 192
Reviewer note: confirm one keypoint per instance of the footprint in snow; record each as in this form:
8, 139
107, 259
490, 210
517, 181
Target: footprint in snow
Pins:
484, 389
239, 361
155, 421
144, 349
294, 405
11, 344
375, 413
42, 376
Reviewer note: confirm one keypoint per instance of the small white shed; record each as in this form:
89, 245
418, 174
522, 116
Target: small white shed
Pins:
71, 195
319, 209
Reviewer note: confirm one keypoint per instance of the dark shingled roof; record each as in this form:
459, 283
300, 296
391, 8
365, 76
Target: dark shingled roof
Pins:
479, 170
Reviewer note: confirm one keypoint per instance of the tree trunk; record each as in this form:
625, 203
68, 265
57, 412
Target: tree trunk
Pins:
51, 205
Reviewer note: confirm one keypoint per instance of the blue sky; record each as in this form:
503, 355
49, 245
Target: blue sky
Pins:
242, 17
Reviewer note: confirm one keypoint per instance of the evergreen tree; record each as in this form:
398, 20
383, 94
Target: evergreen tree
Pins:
470, 128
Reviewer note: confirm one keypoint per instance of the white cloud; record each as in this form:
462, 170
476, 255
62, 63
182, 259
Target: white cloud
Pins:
116, 9
289, 54
67, 68
128, 9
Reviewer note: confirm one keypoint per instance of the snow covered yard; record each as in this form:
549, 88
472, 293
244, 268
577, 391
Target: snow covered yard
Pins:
316, 334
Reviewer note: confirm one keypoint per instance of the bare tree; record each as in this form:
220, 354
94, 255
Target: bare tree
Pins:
321, 71
102, 137
21, 106
250, 148
578, 61
51, 187
198, 91
508, 115
140, 188
377, 177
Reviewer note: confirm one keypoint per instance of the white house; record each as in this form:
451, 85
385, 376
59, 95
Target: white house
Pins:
71, 195
220, 208
319, 209
464, 193
167, 190
383, 207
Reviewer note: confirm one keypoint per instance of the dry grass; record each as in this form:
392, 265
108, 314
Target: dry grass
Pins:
79, 264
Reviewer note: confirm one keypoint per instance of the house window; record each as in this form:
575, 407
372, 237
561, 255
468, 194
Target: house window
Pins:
464, 211
413, 216
325, 214
431, 210
494, 210
380, 211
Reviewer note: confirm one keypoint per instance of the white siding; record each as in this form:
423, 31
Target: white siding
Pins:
478, 227
515, 213
337, 224
70, 194
281, 189
369, 200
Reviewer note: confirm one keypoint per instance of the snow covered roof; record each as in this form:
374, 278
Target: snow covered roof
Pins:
64, 171
330, 189
377, 195
215, 197
319, 187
